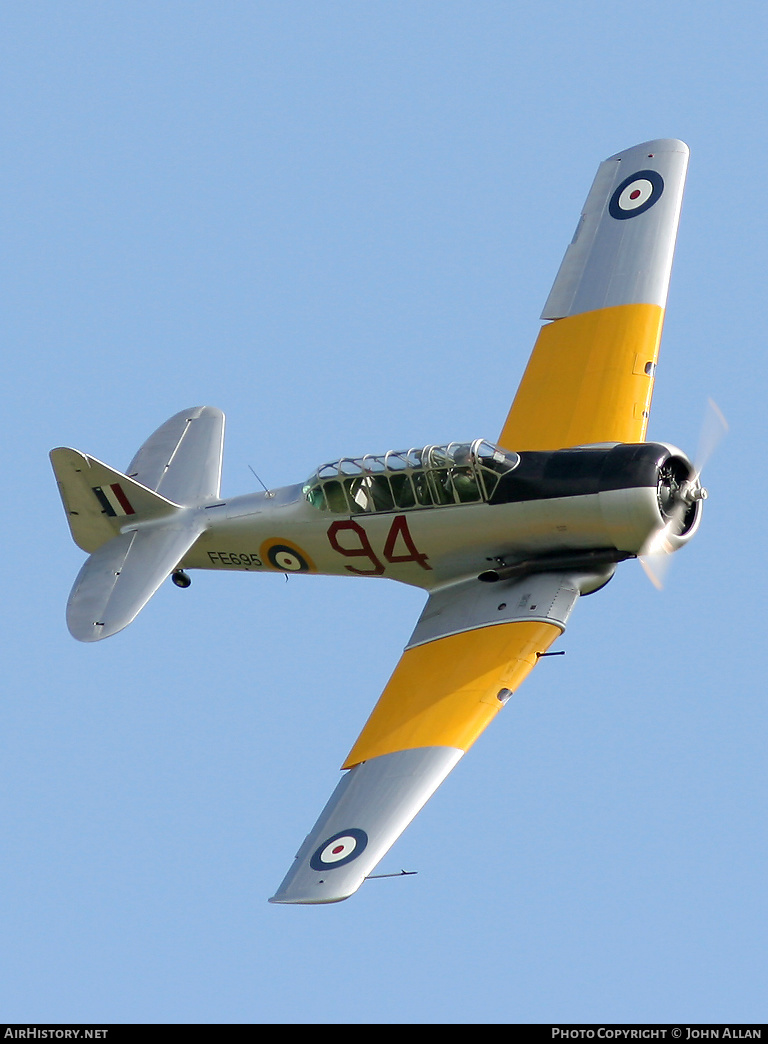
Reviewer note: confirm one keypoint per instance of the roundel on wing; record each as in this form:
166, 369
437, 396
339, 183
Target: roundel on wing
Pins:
340, 849
636, 194
286, 557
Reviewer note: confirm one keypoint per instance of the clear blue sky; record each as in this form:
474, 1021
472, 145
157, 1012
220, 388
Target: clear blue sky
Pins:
338, 222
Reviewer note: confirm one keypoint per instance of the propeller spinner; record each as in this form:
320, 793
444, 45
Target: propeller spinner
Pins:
679, 493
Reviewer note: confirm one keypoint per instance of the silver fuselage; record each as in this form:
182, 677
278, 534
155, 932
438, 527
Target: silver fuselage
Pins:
423, 546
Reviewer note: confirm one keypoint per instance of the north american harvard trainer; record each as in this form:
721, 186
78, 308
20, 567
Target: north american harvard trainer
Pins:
504, 537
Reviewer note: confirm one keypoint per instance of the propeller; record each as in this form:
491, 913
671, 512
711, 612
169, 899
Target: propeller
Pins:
681, 497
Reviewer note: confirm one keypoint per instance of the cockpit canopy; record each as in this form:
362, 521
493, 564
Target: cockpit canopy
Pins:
435, 476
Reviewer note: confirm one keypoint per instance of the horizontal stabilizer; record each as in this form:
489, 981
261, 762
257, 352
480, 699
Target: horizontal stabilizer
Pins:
120, 577
182, 459
100, 501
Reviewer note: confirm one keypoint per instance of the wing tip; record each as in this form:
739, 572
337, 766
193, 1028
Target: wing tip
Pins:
302, 886
284, 901
655, 146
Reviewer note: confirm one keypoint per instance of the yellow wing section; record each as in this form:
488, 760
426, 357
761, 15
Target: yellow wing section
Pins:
589, 379
590, 376
444, 693
473, 647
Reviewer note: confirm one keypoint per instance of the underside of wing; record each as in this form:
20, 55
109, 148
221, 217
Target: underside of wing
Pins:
473, 646
590, 376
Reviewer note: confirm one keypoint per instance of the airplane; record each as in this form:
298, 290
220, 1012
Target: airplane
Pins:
504, 537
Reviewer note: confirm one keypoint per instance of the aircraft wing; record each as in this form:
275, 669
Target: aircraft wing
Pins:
472, 647
590, 376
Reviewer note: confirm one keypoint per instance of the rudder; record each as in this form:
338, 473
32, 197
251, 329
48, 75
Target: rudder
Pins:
100, 501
